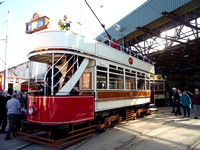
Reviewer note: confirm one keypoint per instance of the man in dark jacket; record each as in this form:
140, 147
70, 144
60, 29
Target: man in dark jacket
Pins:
196, 103
3, 112
23, 100
177, 102
57, 74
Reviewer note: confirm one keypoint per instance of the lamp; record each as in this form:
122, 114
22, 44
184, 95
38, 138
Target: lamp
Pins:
118, 27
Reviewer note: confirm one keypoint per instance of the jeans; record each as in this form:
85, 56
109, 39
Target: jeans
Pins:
12, 121
186, 108
196, 110
178, 110
173, 107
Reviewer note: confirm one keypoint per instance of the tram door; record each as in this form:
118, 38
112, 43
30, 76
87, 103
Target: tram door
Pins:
152, 86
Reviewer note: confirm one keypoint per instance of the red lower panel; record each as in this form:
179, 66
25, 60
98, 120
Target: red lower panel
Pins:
60, 109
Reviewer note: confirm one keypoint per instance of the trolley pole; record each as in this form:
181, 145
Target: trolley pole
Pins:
5, 86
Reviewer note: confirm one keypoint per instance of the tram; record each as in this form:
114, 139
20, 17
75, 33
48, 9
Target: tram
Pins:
158, 88
98, 83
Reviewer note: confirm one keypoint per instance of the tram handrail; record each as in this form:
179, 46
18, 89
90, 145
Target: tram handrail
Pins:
128, 51
45, 92
63, 66
66, 71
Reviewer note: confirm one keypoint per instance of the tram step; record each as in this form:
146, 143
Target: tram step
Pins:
73, 136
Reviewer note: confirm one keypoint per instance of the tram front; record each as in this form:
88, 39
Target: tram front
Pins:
61, 90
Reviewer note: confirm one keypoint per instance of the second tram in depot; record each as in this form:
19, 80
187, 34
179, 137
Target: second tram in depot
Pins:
158, 88
99, 84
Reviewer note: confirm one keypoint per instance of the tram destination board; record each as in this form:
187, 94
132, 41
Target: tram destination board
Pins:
38, 24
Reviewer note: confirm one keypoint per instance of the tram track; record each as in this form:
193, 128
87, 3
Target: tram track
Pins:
194, 144
144, 136
24, 146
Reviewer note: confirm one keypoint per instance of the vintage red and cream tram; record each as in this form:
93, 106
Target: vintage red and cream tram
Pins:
107, 82
107, 79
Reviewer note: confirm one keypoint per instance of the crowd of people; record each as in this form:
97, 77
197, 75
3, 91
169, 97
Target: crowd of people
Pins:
187, 101
14, 109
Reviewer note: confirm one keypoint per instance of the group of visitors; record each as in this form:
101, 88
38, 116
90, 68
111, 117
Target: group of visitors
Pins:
14, 109
187, 100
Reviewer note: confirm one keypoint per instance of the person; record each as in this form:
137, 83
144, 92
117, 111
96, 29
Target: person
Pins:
23, 100
172, 99
140, 56
64, 24
177, 102
13, 106
114, 44
166, 97
3, 112
23, 112
21, 116
57, 74
185, 101
106, 40
196, 103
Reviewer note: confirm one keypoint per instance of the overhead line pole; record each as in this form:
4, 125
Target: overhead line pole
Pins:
99, 21
5, 61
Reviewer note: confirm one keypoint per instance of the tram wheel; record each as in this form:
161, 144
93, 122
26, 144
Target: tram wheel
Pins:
103, 129
113, 124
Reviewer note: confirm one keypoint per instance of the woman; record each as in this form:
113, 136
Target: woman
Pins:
185, 101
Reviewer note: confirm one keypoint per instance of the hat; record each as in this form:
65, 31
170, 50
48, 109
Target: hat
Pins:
173, 88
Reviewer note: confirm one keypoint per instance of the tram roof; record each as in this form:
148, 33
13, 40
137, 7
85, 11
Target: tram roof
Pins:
148, 15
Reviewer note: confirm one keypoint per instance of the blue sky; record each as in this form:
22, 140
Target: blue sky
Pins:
108, 11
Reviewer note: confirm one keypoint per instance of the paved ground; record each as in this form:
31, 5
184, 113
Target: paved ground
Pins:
160, 131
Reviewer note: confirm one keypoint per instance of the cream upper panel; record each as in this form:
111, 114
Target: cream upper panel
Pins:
58, 39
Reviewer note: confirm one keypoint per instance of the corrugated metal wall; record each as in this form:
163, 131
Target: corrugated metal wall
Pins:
145, 14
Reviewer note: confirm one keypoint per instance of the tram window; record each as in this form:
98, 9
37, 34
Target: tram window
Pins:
130, 83
130, 74
140, 84
87, 80
127, 70
147, 85
140, 76
156, 86
101, 80
111, 66
116, 81
160, 86
133, 71
152, 86
120, 68
101, 68
116, 71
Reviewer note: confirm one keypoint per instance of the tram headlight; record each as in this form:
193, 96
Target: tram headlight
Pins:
30, 110
33, 110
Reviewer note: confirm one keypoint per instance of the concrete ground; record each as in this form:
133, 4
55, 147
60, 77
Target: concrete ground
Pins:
160, 131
